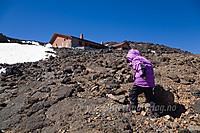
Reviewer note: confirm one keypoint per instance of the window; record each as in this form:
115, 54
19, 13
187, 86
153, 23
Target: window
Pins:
64, 39
86, 45
80, 43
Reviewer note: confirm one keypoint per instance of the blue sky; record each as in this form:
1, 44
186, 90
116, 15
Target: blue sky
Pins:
174, 23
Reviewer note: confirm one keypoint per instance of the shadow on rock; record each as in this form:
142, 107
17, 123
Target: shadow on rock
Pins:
174, 111
165, 103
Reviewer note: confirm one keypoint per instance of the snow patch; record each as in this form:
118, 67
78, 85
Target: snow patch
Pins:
2, 70
48, 45
12, 53
31, 42
35, 43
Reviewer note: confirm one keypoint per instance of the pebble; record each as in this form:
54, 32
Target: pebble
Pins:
167, 117
143, 113
146, 123
109, 118
193, 129
92, 126
175, 125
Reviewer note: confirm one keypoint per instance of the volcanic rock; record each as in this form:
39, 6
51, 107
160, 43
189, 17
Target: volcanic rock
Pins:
3, 38
197, 106
67, 93
13, 71
174, 77
193, 129
195, 92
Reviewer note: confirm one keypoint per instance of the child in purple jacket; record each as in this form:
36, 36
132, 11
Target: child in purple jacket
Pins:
143, 79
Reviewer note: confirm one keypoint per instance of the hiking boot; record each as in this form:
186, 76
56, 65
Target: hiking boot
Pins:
125, 108
130, 107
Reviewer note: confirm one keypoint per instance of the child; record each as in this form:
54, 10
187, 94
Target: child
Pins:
143, 79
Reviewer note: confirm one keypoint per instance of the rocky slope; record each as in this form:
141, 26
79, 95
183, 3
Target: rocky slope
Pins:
5, 39
84, 91
150, 47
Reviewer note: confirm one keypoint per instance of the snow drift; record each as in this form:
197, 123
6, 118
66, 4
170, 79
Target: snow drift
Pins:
12, 53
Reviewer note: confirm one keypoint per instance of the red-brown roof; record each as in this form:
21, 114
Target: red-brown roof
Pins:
120, 44
57, 34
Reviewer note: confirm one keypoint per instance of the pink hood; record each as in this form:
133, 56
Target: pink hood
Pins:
132, 54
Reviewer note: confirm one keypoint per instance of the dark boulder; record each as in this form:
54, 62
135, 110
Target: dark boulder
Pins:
195, 92
78, 88
13, 71
3, 38
174, 77
197, 106
66, 80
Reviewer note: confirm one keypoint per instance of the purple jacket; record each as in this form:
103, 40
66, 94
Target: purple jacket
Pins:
142, 68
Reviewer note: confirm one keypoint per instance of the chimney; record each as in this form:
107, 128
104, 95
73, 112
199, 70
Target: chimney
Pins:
102, 42
81, 36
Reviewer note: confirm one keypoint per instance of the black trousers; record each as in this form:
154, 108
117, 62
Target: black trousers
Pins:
136, 90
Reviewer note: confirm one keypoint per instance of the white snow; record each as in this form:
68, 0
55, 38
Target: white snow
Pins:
48, 45
2, 70
12, 53
36, 43
31, 42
